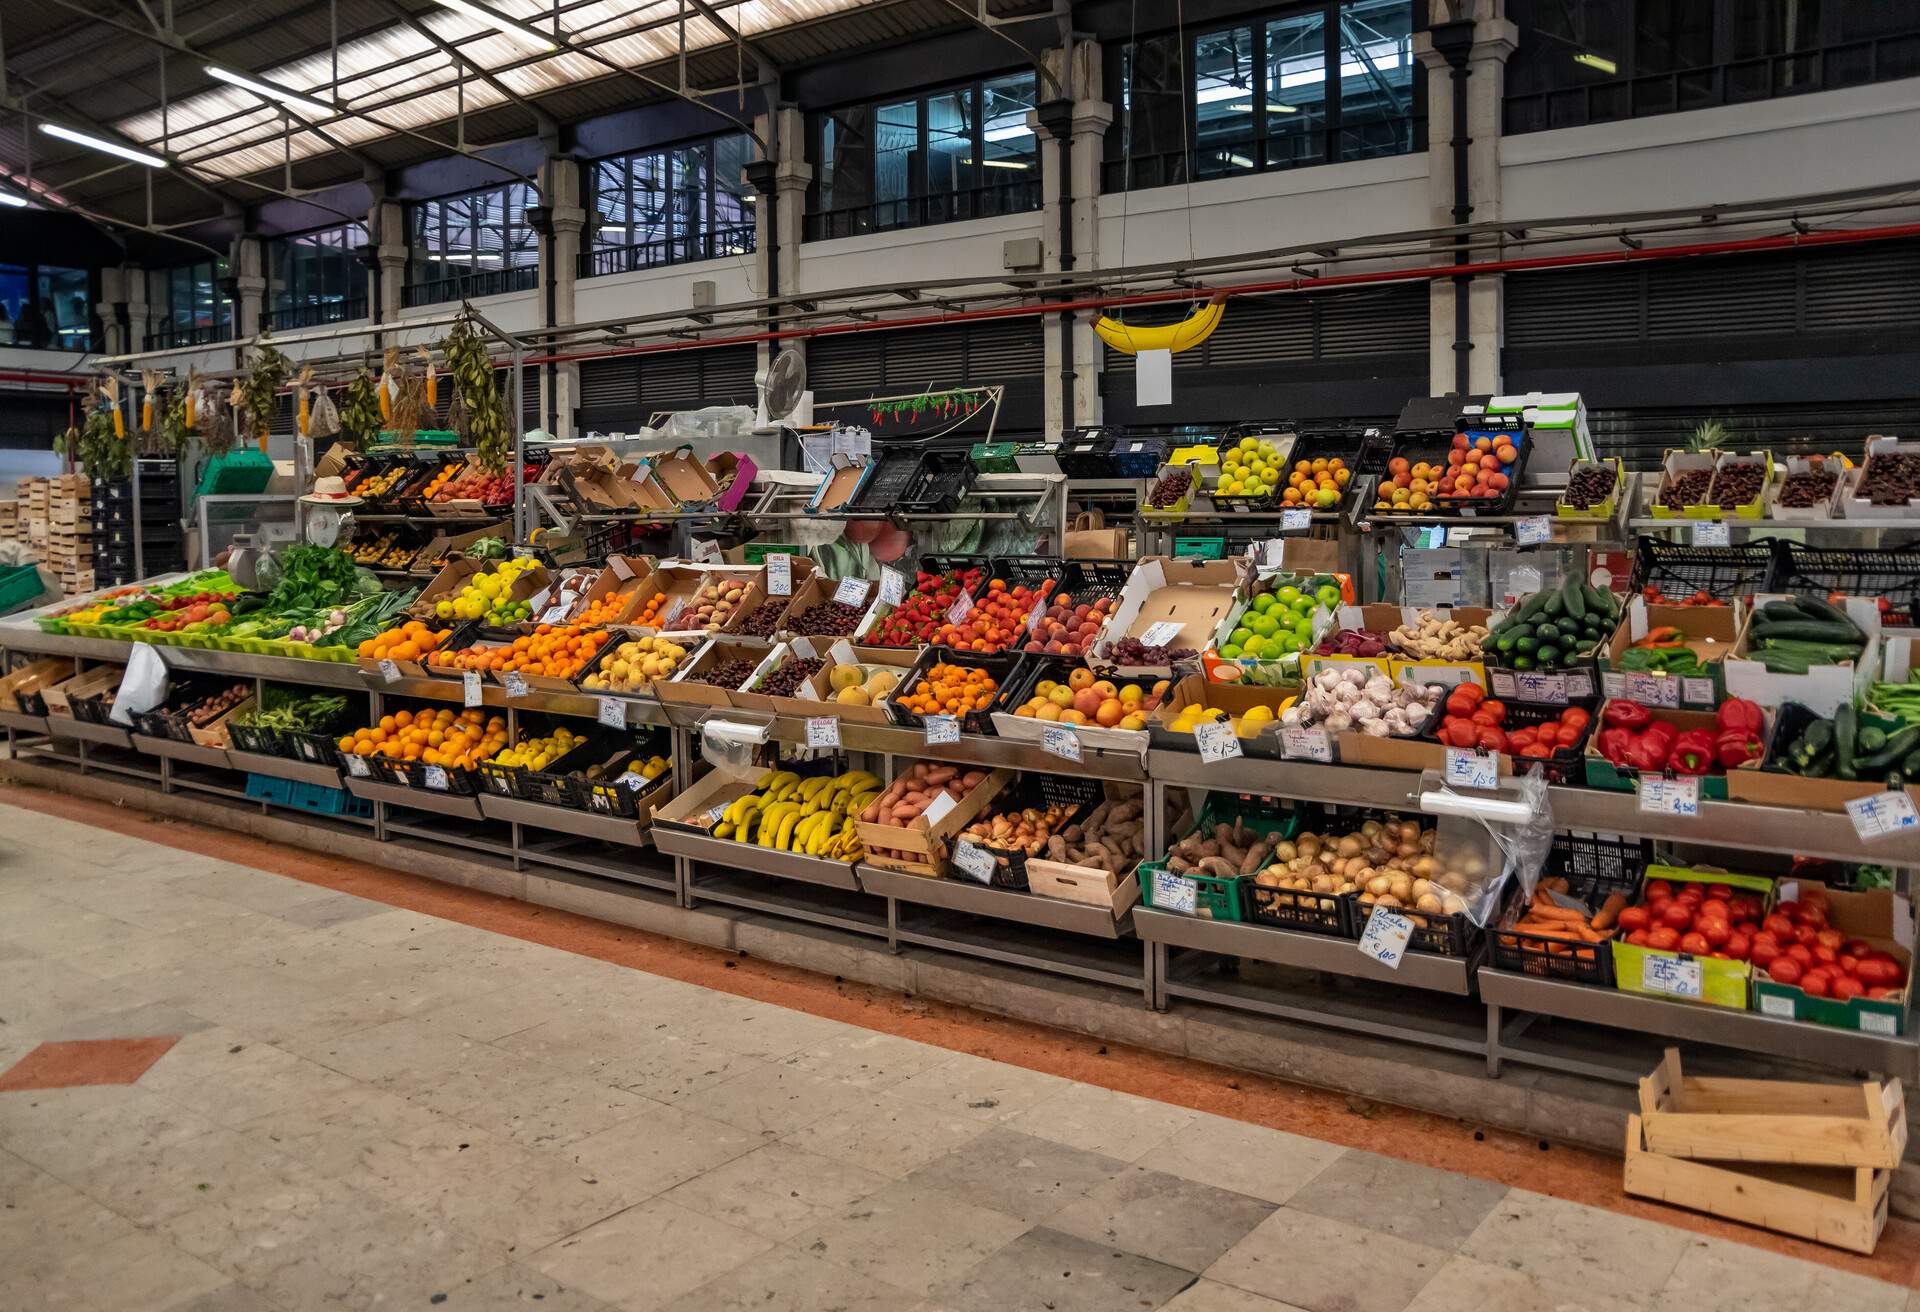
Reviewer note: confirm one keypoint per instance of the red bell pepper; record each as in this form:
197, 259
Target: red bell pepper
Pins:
1613, 744
1622, 714
1647, 752
1662, 734
1692, 753
1739, 713
1735, 747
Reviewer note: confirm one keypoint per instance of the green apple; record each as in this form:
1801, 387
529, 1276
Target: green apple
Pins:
1328, 596
1303, 629
1287, 595
1254, 648
1240, 634
1230, 652
1264, 625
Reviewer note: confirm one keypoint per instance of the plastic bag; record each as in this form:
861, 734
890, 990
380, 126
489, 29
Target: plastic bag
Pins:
323, 419
733, 748
1490, 853
142, 687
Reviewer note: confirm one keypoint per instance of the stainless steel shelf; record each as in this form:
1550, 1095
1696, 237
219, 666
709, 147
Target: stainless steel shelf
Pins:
562, 819
1749, 1031
211, 757
1001, 903
1288, 947
972, 749
107, 735
418, 799
279, 767
751, 858
584, 705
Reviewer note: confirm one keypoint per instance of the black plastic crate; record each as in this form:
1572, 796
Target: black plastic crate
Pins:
253, 738
956, 563
1723, 573
1003, 666
1137, 455
612, 795
96, 709
1433, 931
1567, 765
1890, 574
890, 480
938, 484
1300, 908
1433, 447
1088, 580
316, 748
461, 783
1078, 792
1594, 866
1086, 453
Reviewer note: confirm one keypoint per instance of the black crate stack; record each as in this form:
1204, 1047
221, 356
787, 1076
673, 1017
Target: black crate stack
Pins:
162, 541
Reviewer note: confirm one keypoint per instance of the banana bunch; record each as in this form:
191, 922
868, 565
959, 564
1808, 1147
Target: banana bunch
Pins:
472, 370
1176, 337
814, 816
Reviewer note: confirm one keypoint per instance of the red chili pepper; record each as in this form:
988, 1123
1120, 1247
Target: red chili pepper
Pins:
1739, 713
1692, 753
1735, 747
1621, 714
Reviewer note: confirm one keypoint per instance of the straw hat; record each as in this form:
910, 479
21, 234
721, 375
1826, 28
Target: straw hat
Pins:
331, 491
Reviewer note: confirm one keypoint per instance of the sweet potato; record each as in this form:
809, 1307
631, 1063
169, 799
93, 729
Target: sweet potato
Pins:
1255, 858
1219, 866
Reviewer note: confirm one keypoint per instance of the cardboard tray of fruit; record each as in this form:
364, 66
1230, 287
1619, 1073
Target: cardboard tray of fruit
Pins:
1888, 484
632, 663
1811, 488
1593, 489
1483, 463
1115, 720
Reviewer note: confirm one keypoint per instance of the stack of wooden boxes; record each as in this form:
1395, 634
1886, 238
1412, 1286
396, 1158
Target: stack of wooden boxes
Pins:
70, 531
31, 494
11, 527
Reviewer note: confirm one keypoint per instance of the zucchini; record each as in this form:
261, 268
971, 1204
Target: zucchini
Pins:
1808, 630
1509, 641
1523, 662
1821, 767
1870, 739
1846, 726
1815, 740
1574, 600
1899, 745
1819, 608
1531, 607
1785, 612
1599, 602
1910, 768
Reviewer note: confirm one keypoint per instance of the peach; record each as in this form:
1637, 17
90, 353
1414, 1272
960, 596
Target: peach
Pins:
1111, 712
1087, 701
1079, 679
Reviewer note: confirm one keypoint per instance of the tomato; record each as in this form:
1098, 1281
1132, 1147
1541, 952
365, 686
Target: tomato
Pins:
1859, 947
1778, 926
1458, 703
1471, 691
1765, 954
1714, 931
1691, 893
1678, 915
1535, 751
1873, 972
1632, 918
1719, 892
1784, 970
1521, 737
1695, 945
1499, 709
1663, 938
1462, 733
1817, 982
1745, 906
1845, 987
1568, 736
1766, 938
1658, 888
1638, 938
1832, 938
1486, 714
1801, 953
1576, 716
1740, 947
1807, 913
1720, 956
1879, 993
1715, 911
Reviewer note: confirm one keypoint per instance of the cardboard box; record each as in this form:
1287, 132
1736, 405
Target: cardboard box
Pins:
1832, 506
684, 690
1884, 919
841, 485
898, 659
1194, 594
1676, 464
628, 576
682, 581
683, 476
1659, 972
1602, 773
732, 473
700, 805
1772, 786
1857, 506
1712, 633
1236, 699
748, 697
818, 591
1822, 688
927, 844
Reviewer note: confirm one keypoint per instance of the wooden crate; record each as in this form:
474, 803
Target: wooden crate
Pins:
1087, 884
1774, 1121
928, 843
1845, 1207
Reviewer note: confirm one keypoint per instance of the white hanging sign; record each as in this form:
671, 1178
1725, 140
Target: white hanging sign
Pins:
893, 587
1386, 937
779, 574
1467, 768
823, 731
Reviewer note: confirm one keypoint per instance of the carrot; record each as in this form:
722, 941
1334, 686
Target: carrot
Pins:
1609, 913
1557, 913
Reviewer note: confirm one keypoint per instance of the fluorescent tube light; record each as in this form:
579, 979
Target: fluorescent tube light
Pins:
499, 22
265, 92
1271, 109
1000, 163
102, 144
8, 198
1006, 134
1600, 62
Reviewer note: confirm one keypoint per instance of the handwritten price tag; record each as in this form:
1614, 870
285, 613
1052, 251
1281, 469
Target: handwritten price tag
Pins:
472, 689
1173, 892
779, 574
1679, 796
1711, 533
961, 608
1162, 634
976, 862
1882, 814
851, 592
390, 671
1308, 744
1062, 742
1296, 521
613, 712
1471, 769
942, 729
893, 587
1677, 977
1533, 530
1386, 937
1538, 686
823, 731
434, 777
1653, 689
516, 685
358, 768
1217, 741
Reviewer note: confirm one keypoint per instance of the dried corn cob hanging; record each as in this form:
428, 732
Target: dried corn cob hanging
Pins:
387, 392
432, 377
110, 389
151, 381
302, 412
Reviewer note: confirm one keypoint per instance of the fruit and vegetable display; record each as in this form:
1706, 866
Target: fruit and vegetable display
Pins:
1250, 723
1796, 946
1738, 481
1633, 737
730, 674
1554, 629
784, 680
634, 665
1477, 467
1791, 637
200, 612
760, 622
1251, 467
1435, 637
412, 641
1890, 478
1703, 920
1068, 627
1386, 863
1113, 838
1472, 719
1699, 597
1279, 623
1361, 699
649, 613
861, 685
488, 595
1842, 747
1082, 699
453, 740
911, 793
1590, 485
923, 612
286, 711
537, 753
1811, 486
813, 816
947, 689
1687, 488
378, 484
547, 652
1316, 484
828, 619
997, 619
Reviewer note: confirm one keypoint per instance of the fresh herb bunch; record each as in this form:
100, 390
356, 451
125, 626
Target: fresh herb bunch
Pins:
265, 374
313, 577
94, 447
360, 415
472, 370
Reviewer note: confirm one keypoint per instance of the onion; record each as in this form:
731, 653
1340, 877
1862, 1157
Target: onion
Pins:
1350, 846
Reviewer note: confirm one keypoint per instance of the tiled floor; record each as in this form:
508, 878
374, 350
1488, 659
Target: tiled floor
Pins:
366, 1107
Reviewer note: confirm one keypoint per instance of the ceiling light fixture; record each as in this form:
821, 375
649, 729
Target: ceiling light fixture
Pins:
265, 92
1600, 62
8, 198
498, 22
1271, 109
101, 143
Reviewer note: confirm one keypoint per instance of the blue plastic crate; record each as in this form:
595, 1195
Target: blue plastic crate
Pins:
322, 800
266, 788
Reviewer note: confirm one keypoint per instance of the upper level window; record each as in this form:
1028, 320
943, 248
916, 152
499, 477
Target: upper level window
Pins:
670, 206
962, 153
190, 306
46, 308
478, 244
314, 277
1608, 60
1256, 96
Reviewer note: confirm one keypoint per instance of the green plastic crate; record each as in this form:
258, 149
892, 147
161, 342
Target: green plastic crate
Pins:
18, 586
237, 473
421, 437
1201, 548
1214, 898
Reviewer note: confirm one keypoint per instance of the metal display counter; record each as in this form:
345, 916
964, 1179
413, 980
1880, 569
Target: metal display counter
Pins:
1463, 1004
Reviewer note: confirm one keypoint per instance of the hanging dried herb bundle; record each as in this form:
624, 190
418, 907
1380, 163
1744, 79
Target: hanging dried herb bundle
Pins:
266, 372
176, 434
360, 413
472, 370
409, 397
96, 448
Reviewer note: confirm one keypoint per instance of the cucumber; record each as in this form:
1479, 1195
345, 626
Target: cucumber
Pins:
1809, 631
1910, 768
1526, 646
1546, 657
1547, 633
1846, 726
1899, 745
1597, 601
1574, 600
1510, 642
1555, 605
1531, 607
1870, 739
1785, 612
1523, 662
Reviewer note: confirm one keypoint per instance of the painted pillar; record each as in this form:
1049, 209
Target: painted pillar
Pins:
250, 285
777, 252
560, 258
387, 234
